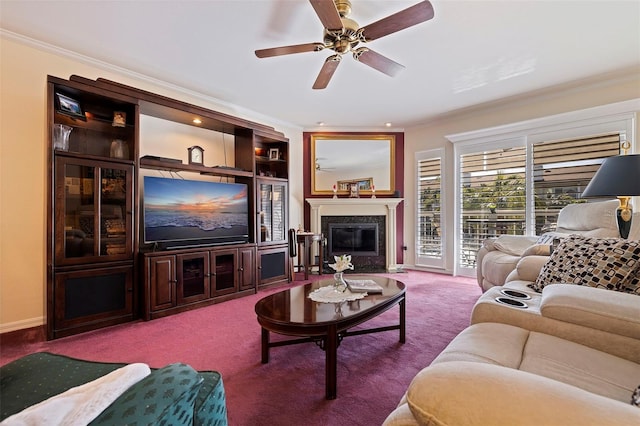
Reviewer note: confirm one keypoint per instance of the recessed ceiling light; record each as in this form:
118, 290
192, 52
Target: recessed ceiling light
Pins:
197, 121
320, 123
388, 124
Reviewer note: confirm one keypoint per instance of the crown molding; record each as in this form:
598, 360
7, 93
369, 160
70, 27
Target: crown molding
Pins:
210, 101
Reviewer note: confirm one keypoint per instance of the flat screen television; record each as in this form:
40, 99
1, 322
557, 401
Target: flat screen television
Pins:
182, 213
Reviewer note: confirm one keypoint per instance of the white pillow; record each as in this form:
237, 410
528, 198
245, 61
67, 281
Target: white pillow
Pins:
512, 244
81, 404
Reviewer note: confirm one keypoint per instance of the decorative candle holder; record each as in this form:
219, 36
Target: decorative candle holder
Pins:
335, 190
373, 191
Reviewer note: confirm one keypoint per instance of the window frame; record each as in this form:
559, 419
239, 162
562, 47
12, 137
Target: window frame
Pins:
422, 260
619, 117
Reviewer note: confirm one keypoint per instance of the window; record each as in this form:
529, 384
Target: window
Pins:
429, 238
562, 170
514, 179
492, 191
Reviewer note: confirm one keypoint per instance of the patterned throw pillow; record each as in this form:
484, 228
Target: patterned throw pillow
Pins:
609, 263
635, 397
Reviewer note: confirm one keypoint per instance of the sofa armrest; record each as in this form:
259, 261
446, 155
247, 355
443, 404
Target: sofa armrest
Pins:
606, 310
538, 250
166, 396
511, 244
528, 268
457, 392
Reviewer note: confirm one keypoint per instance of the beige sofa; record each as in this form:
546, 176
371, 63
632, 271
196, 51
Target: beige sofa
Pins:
566, 356
498, 256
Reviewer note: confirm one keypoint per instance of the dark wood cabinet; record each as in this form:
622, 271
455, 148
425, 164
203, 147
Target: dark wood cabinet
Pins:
161, 282
94, 208
271, 200
272, 197
271, 156
193, 278
100, 270
86, 299
246, 268
225, 275
91, 199
273, 265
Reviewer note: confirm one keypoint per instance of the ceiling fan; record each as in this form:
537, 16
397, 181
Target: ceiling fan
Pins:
320, 168
342, 35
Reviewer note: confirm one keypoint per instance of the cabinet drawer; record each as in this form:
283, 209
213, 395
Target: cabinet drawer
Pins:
93, 298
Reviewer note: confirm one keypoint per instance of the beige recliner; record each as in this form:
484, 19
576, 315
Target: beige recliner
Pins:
569, 355
499, 256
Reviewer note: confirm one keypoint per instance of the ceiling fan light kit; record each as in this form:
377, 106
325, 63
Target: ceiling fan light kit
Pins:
343, 35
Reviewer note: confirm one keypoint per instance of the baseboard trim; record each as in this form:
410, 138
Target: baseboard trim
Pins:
19, 325
24, 336
429, 269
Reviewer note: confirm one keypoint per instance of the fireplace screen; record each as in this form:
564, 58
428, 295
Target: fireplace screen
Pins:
356, 239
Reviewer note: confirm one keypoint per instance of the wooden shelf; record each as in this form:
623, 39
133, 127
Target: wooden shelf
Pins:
266, 160
272, 178
177, 167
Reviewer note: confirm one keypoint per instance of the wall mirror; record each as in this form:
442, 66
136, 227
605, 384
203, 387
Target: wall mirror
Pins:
367, 161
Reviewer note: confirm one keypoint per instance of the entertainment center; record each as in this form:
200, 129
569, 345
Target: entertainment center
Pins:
134, 232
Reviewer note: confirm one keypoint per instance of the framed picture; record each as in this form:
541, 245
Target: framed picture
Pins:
119, 119
69, 106
354, 190
364, 184
274, 154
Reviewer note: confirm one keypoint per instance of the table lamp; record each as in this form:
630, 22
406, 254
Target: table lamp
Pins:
619, 177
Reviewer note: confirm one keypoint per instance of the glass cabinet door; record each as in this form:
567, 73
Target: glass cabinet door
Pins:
115, 191
93, 211
272, 207
224, 266
278, 206
266, 212
193, 277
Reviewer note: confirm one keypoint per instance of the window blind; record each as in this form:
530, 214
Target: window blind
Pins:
429, 224
493, 199
562, 169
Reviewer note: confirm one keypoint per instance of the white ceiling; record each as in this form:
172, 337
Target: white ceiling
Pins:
471, 52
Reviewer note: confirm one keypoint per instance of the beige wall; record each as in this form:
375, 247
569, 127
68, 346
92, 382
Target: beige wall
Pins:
23, 74
621, 87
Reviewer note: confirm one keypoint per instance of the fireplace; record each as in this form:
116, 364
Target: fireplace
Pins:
363, 237
380, 211
357, 239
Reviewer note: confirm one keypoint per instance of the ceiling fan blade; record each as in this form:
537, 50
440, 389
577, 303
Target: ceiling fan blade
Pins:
287, 50
377, 61
329, 67
409, 17
328, 13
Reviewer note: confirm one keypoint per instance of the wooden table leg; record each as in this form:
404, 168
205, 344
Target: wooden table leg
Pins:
320, 255
403, 311
307, 257
331, 352
265, 346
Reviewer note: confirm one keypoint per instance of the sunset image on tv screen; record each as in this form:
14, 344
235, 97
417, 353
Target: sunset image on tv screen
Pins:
178, 209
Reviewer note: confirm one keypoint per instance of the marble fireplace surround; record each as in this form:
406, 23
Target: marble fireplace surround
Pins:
360, 207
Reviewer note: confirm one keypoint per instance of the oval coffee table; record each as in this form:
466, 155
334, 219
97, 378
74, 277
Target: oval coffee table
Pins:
290, 312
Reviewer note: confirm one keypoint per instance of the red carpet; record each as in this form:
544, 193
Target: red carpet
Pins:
373, 370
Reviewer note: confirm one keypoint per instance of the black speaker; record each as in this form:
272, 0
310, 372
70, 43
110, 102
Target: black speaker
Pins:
293, 243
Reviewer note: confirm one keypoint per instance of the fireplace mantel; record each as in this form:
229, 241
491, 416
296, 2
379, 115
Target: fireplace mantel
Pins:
360, 207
